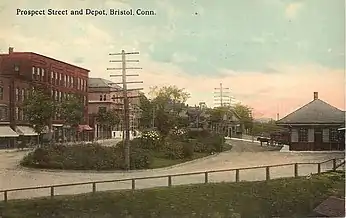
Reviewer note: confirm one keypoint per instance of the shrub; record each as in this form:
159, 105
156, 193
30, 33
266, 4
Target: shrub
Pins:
140, 158
150, 140
215, 143
178, 149
85, 157
206, 141
198, 134
199, 146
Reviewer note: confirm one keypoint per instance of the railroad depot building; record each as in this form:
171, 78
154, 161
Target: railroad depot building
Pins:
315, 126
23, 71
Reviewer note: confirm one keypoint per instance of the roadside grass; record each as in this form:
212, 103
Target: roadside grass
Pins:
288, 197
160, 160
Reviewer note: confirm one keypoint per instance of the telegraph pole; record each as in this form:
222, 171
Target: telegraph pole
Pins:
222, 96
125, 90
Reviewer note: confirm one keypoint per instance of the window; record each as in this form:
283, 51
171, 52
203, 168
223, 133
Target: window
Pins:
85, 100
23, 95
3, 113
61, 79
325, 135
25, 117
51, 77
1, 93
100, 97
56, 82
43, 76
17, 94
113, 98
17, 113
38, 74
311, 135
303, 135
20, 114
334, 135
33, 72
104, 97
102, 109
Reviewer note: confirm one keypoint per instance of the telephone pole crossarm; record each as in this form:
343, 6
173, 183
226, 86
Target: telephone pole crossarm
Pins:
126, 97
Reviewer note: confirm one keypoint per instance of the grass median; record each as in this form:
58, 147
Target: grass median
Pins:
289, 197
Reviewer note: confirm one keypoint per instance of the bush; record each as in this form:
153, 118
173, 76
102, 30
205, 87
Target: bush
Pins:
150, 140
199, 146
85, 157
140, 158
206, 141
198, 134
178, 149
215, 143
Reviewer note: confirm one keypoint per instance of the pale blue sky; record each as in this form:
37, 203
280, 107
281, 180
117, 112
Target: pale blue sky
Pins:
223, 41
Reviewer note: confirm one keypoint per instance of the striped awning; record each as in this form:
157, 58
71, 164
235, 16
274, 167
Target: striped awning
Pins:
26, 131
6, 131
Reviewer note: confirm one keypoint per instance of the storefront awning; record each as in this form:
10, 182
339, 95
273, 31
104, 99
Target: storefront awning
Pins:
6, 131
26, 131
84, 128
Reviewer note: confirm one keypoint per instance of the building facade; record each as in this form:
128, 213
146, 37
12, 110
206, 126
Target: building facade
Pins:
315, 127
105, 95
24, 71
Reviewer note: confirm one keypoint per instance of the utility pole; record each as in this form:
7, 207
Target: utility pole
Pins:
222, 96
125, 96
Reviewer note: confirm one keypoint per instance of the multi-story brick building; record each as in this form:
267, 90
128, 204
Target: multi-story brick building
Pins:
22, 71
105, 95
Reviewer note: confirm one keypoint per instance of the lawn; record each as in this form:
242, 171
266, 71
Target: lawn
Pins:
159, 159
289, 197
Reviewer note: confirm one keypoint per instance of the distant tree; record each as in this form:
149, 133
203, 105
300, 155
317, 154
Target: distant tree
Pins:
108, 119
265, 128
167, 103
39, 108
147, 112
244, 112
71, 111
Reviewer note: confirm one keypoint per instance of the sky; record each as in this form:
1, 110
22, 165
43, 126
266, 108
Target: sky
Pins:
271, 54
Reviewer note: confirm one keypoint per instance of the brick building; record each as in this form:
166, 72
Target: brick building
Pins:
22, 71
105, 95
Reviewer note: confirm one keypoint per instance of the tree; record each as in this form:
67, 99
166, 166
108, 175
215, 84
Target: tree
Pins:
108, 119
245, 114
147, 112
39, 108
265, 128
167, 103
71, 110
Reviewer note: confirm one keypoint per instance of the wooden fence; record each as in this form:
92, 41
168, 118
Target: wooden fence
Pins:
169, 177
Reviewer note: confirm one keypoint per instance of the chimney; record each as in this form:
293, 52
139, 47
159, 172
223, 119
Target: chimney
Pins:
10, 50
315, 95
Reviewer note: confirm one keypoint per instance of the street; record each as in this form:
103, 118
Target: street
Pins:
243, 154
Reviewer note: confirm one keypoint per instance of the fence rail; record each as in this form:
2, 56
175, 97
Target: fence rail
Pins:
170, 176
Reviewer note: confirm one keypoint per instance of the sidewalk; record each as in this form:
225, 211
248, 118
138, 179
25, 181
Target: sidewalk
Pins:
245, 140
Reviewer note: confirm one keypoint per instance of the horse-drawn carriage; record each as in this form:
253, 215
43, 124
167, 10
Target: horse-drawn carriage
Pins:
275, 138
